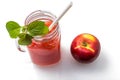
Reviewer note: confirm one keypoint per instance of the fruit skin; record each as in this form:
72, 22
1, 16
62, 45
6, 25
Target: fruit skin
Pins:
85, 48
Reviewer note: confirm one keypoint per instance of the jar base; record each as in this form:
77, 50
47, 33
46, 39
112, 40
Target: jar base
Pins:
50, 64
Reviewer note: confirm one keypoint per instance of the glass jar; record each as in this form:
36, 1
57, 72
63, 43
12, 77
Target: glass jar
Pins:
44, 50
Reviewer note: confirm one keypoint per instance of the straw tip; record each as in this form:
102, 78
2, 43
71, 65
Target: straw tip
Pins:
71, 3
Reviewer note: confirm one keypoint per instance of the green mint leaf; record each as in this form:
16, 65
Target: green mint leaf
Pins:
37, 28
24, 28
22, 35
13, 29
33, 29
25, 39
45, 30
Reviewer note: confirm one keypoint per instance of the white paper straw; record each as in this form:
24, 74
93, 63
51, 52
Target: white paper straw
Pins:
60, 16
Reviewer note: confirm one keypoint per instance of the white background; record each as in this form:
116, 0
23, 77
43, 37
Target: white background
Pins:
98, 17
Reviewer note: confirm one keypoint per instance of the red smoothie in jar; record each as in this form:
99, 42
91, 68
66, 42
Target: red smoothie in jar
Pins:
46, 49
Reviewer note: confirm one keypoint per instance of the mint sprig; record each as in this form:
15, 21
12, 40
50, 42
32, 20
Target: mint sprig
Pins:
13, 28
25, 39
37, 28
27, 32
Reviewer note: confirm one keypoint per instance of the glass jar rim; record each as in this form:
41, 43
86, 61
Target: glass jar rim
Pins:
42, 12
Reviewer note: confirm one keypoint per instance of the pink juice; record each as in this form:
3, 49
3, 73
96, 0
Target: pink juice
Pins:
46, 51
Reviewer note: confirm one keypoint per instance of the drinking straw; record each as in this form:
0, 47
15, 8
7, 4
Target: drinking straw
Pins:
60, 16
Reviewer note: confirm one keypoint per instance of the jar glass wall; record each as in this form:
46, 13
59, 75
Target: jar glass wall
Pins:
45, 50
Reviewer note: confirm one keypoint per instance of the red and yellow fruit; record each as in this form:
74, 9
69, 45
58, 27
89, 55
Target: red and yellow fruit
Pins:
85, 48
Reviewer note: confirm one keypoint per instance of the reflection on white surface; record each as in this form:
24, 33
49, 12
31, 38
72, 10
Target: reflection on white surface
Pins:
69, 69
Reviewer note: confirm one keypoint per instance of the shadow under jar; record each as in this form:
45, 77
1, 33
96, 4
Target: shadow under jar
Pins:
45, 50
